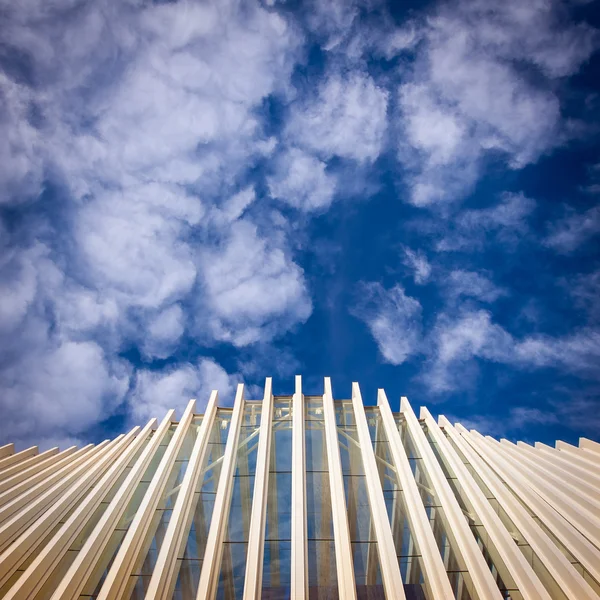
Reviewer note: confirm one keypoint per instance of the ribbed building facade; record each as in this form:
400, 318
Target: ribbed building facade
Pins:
301, 497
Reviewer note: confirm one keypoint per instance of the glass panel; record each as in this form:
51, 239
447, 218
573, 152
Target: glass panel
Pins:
407, 551
366, 571
365, 551
143, 568
459, 577
322, 575
96, 579
233, 571
233, 564
322, 579
189, 561
277, 557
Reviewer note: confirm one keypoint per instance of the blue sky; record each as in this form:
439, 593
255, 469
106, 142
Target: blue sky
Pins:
196, 194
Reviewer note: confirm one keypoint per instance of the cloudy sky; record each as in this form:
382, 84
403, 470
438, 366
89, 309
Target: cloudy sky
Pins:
196, 193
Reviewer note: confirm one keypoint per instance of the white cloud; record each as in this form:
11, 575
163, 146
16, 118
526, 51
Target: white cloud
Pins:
301, 180
133, 243
252, 289
163, 331
504, 222
472, 284
431, 128
58, 390
469, 95
143, 120
346, 118
394, 320
585, 289
21, 166
235, 206
574, 230
155, 393
417, 261
455, 342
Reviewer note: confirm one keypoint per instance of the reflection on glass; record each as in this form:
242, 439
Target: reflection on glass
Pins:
189, 560
322, 575
365, 551
407, 551
233, 563
97, 577
277, 558
458, 575
143, 569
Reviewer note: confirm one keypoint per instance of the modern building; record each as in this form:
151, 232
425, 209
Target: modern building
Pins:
301, 497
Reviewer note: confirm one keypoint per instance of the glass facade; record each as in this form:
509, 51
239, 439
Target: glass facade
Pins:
425, 510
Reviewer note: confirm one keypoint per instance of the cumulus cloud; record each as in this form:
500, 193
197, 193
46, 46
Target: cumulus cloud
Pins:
468, 95
346, 118
418, 263
455, 342
128, 131
394, 320
163, 332
574, 230
156, 392
505, 222
252, 289
471, 284
55, 392
585, 290
302, 181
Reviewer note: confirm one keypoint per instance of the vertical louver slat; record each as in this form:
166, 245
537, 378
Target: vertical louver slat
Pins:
571, 454
45, 477
7, 450
256, 537
561, 570
341, 531
42, 566
13, 475
518, 568
305, 494
209, 576
589, 445
163, 579
72, 584
12, 458
574, 508
547, 455
118, 583
483, 581
581, 548
299, 566
436, 580
390, 570
28, 506
564, 479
